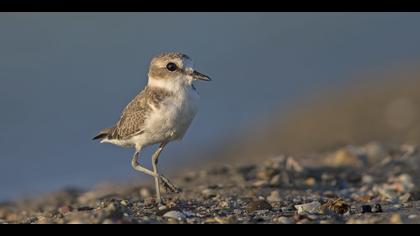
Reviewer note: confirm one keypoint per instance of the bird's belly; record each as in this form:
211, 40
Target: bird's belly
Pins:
171, 120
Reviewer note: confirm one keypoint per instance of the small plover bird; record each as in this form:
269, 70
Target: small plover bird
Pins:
161, 113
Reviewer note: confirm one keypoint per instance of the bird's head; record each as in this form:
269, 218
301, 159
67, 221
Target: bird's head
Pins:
171, 69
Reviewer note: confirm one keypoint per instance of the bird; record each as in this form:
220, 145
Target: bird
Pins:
162, 112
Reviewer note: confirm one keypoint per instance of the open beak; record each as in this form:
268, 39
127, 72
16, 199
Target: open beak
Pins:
198, 76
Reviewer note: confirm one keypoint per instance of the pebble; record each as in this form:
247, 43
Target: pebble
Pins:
224, 204
145, 193
277, 180
375, 152
43, 220
258, 206
77, 221
274, 196
330, 194
405, 198
412, 217
265, 174
338, 206
283, 220
293, 165
287, 209
260, 183
345, 157
311, 208
225, 220
209, 193
377, 208
366, 209
85, 208
367, 179
65, 209
395, 219
310, 181
175, 215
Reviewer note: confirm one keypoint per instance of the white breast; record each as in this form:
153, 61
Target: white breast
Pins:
171, 119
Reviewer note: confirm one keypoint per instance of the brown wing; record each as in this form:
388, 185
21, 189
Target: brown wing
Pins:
135, 113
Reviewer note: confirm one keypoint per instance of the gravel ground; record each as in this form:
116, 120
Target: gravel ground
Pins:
374, 183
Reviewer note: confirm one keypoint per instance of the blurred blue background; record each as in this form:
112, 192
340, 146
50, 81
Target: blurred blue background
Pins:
65, 76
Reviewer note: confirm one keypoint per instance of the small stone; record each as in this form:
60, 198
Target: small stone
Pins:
367, 179
397, 206
287, 209
209, 193
145, 193
310, 181
408, 150
310, 208
293, 165
274, 196
124, 202
150, 201
225, 220
277, 180
175, 215
260, 183
377, 208
258, 206
386, 194
338, 206
405, 198
375, 152
404, 183
77, 221
224, 204
363, 198
65, 209
284, 220
43, 220
345, 157
411, 217
237, 211
330, 194
85, 208
366, 209
107, 222
325, 222
265, 174
395, 219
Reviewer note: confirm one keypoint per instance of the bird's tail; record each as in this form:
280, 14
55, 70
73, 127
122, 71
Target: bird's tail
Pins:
103, 133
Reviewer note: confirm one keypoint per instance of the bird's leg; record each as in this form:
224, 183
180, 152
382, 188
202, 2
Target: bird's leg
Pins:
165, 181
154, 164
135, 164
138, 167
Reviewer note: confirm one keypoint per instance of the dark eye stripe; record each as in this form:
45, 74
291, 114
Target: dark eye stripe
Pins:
171, 66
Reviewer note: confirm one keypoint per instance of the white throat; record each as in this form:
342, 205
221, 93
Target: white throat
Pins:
173, 85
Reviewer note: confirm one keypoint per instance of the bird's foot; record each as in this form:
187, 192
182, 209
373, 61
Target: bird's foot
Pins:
168, 185
160, 202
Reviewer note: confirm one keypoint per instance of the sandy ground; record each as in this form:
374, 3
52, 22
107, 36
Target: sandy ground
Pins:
373, 183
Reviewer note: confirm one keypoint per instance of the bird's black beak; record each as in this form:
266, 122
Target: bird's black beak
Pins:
198, 76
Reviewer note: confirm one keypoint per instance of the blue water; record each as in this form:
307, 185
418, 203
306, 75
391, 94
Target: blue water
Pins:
64, 76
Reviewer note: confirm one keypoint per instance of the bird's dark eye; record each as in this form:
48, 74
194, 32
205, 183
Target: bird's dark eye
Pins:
171, 66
